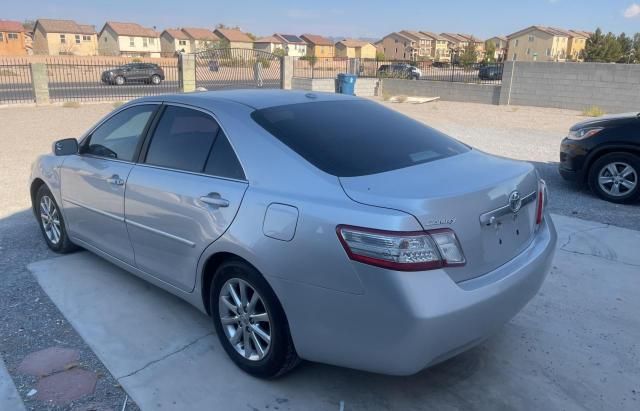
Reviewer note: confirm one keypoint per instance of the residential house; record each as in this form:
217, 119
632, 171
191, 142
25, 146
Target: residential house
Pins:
500, 44
456, 43
538, 43
200, 39
476, 42
398, 46
64, 37
293, 45
318, 46
422, 44
439, 47
577, 43
268, 44
128, 39
12, 38
355, 49
235, 38
174, 41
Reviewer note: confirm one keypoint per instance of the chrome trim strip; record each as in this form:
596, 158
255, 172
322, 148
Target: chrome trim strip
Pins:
485, 218
95, 210
175, 170
162, 233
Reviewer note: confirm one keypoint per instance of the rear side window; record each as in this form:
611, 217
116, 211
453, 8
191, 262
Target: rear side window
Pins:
222, 161
182, 140
355, 137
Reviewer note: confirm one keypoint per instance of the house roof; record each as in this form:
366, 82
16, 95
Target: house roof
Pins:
415, 35
199, 34
11, 26
353, 43
65, 26
580, 33
549, 30
289, 38
234, 35
432, 35
470, 37
454, 37
268, 39
502, 38
176, 34
316, 40
400, 34
130, 29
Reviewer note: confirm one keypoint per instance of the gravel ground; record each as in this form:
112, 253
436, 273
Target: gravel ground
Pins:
29, 321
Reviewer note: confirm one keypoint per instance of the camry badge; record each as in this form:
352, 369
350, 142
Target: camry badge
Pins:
515, 201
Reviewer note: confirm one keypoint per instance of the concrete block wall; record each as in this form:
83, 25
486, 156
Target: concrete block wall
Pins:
365, 87
448, 91
613, 87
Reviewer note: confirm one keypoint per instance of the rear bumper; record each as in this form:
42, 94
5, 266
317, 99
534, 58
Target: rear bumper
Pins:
407, 321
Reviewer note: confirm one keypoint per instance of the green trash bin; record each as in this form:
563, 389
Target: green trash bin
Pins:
347, 84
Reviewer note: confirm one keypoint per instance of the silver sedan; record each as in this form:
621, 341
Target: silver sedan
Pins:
307, 225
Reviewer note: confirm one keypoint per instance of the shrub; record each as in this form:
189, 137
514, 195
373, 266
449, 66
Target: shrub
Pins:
7, 72
71, 104
593, 111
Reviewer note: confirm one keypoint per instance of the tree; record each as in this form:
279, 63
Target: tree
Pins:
603, 48
380, 56
636, 48
279, 52
490, 52
469, 56
626, 47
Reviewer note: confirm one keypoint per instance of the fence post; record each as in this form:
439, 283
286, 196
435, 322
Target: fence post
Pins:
508, 71
186, 72
286, 72
40, 82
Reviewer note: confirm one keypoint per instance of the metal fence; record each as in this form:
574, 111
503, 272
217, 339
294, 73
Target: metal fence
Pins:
319, 68
103, 79
15, 82
232, 68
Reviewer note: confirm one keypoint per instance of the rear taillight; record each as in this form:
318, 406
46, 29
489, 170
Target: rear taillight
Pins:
542, 201
402, 251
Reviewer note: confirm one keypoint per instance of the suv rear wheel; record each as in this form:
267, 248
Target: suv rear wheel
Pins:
155, 79
614, 177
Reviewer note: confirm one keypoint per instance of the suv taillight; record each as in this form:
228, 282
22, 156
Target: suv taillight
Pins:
542, 201
402, 251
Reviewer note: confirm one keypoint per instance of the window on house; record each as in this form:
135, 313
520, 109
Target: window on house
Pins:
182, 42
548, 52
528, 51
77, 39
86, 38
516, 42
152, 41
531, 37
12, 36
105, 39
63, 39
1, 36
132, 42
145, 42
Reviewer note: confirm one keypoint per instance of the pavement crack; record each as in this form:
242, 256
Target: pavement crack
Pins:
599, 256
164, 357
570, 236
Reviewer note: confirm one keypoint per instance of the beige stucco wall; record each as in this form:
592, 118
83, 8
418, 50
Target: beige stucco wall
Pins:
12, 47
51, 44
296, 50
120, 45
394, 47
320, 51
368, 51
240, 45
541, 42
575, 47
169, 45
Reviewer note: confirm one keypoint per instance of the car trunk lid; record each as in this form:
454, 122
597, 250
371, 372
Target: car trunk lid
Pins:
461, 192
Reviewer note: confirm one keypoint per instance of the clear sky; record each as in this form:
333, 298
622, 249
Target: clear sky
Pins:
372, 18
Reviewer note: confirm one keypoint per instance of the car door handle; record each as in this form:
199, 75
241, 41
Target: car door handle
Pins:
214, 199
115, 180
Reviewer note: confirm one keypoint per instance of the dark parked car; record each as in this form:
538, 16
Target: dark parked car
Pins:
605, 154
134, 73
441, 64
490, 72
400, 70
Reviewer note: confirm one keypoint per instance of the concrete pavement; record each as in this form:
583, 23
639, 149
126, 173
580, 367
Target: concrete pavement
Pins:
9, 398
574, 346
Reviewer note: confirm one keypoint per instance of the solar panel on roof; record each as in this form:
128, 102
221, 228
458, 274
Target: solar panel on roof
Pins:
291, 39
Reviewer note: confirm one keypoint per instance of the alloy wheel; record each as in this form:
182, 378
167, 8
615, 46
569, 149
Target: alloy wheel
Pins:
50, 218
617, 179
245, 320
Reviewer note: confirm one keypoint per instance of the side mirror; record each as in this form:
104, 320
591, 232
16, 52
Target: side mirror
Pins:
65, 147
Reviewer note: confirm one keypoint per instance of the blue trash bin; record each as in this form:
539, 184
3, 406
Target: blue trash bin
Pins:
347, 84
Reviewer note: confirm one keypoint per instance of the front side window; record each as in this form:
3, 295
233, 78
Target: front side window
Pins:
182, 140
355, 138
77, 39
132, 42
145, 42
118, 137
63, 39
86, 38
1, 36
12, 36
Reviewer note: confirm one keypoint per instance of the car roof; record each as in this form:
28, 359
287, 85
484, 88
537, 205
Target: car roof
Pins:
254, 98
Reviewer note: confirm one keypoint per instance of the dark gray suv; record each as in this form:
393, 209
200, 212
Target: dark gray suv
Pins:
148, 73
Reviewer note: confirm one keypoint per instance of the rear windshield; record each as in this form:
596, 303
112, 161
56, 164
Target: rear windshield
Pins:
355, 137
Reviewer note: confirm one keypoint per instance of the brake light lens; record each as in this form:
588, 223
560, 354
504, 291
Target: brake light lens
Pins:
542, 201
402, 251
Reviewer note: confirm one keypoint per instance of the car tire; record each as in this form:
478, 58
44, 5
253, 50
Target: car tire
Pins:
119, 81
51, 222
278, 355
155, 79
614, 177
